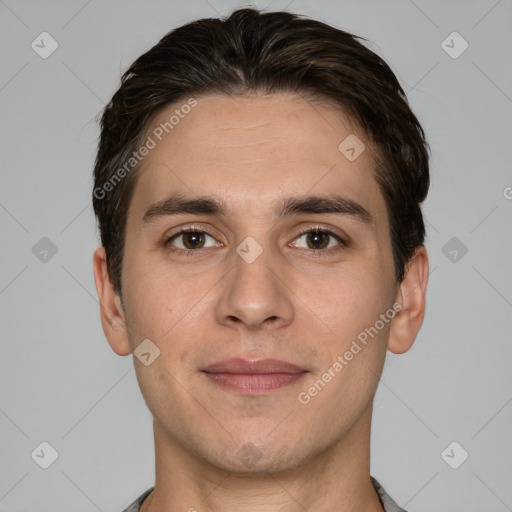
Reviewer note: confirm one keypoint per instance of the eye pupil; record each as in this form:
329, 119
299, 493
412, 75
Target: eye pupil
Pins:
317, 236
198, 237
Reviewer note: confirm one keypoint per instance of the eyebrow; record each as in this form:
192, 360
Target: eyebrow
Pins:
177, 204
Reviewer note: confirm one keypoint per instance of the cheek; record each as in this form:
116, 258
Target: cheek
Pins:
346, 301
167, 307
151, 299
356, 336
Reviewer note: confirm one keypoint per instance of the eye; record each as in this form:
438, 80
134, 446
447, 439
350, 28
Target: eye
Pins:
192, 240
319, 239
189, 241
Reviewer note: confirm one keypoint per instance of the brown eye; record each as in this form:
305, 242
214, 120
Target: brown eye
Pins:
318, 239
191, 240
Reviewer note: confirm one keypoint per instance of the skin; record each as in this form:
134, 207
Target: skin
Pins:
288, 304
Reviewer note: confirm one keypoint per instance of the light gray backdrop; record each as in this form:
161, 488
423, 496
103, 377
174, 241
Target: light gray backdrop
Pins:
60, 381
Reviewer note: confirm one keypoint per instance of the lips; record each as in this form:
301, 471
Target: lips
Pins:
255, 367
251, 377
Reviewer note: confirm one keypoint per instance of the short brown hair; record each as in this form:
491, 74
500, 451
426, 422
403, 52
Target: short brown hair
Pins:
255, 52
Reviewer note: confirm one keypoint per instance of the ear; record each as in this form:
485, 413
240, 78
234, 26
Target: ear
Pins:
112, 314
411, 295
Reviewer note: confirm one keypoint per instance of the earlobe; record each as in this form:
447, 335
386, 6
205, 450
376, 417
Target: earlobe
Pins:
111, 310
411, 295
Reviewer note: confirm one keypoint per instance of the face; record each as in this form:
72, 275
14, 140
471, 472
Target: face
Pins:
255, 282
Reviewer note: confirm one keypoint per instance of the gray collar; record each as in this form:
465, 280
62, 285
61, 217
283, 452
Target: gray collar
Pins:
387, 502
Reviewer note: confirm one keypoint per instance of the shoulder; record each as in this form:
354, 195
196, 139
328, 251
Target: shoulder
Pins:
387, 502
135, 506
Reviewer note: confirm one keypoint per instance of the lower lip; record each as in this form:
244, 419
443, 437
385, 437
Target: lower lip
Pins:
254, 383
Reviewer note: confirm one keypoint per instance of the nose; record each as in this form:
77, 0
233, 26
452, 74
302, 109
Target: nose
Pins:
256, 294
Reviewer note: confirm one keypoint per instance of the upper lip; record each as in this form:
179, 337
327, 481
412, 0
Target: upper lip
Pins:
261, 366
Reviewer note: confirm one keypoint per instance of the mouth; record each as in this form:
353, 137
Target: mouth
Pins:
254, 376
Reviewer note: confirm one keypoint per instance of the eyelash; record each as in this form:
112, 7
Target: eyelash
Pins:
310, 229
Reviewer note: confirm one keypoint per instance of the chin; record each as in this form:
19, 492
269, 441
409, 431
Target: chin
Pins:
254, 459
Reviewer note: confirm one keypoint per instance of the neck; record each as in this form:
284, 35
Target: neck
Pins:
336, 479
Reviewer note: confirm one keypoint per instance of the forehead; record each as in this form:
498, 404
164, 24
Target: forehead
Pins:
253, 150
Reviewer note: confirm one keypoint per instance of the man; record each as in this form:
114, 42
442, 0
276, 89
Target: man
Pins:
258, 187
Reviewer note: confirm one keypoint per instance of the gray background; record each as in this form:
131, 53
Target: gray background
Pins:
60, 381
